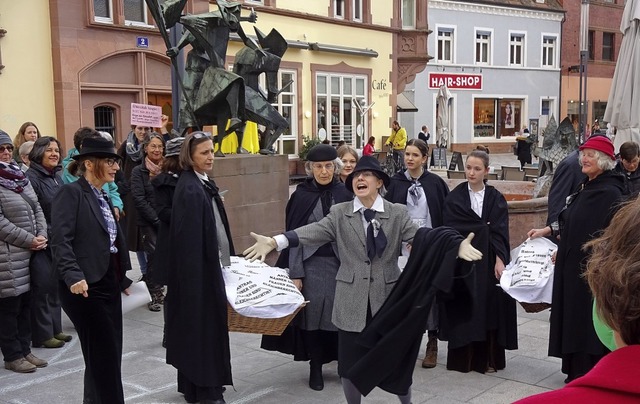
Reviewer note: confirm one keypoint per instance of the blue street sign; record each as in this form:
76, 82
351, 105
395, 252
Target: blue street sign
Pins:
142, 42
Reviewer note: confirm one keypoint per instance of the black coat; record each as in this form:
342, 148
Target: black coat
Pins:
583, 219
566, 178
46, 185
394, 334
435, 189
196, 324
80, 239
493, 309
164, 187
143, 196
632, 180
130, 219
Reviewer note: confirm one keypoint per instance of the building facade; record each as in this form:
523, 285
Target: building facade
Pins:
604, 40
501, 63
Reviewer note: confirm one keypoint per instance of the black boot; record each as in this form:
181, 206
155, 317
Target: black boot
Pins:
316, 382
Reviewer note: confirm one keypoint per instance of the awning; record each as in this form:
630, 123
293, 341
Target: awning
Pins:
404, 105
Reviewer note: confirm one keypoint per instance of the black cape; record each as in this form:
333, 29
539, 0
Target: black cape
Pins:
492, 308
566, 178
196, 324
299, 207
394, 334
583, 219
164, 186
435, 189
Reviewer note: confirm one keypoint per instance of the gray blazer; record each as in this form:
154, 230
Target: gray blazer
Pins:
360, 282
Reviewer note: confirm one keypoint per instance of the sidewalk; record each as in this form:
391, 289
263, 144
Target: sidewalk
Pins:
271, 378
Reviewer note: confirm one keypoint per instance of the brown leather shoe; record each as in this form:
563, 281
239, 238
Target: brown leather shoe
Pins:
20, 366
37, 362
431, 357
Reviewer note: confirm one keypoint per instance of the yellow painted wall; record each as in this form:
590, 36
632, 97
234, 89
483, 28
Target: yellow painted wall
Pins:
597, 91
26, 82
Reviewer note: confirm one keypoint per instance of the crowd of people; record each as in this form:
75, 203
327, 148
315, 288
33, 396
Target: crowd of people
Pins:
346, 227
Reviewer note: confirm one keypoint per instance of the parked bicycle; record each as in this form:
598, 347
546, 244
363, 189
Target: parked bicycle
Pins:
390, 165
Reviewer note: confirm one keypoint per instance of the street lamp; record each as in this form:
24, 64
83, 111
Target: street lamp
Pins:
584, 53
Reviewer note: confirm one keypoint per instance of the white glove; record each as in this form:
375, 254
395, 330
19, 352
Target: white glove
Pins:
467, 252
263, 246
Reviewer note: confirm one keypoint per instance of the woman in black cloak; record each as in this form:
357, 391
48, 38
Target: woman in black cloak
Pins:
197, 335
478, 343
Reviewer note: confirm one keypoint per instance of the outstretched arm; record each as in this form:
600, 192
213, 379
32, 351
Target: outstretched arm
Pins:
184, 41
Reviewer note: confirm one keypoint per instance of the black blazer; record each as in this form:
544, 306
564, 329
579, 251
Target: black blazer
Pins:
80, 239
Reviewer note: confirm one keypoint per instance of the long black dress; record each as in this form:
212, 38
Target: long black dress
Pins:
311, 336
196, 326
480, 342
572, 336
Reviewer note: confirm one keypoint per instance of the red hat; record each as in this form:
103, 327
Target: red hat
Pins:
601, 144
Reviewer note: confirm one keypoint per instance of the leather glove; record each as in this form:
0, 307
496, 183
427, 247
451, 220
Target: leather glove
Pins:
263, 246
467, 252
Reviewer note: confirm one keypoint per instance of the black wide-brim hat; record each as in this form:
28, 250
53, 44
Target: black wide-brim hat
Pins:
97, 147
367, 163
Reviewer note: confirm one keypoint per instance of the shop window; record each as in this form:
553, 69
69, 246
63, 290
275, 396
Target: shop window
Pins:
608, 46
516, 50
408, 14
598, 112
104, 119
483, 47
103, 11
484, 116
445, 45
336, 114
549, 51
497, 117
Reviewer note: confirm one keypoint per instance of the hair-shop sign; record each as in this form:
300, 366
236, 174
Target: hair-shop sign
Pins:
455, 81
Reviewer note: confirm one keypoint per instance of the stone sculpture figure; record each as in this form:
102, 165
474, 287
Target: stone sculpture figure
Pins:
250, 62
215, 94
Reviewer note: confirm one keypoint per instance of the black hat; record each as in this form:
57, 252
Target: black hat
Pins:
322, 152
367, 163
97, 147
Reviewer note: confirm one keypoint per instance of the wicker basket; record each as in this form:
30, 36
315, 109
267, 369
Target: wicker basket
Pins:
253, 325
534, 307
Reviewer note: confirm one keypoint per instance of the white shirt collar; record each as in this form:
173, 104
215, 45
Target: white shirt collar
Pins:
203, 177
378, 205
481, 192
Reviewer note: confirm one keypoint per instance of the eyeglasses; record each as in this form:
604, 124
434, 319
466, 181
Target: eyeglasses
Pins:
8, 148
326, 166
200, 135
110, 162
365, 174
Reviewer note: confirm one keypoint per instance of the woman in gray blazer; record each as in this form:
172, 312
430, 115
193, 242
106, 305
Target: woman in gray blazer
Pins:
368, 233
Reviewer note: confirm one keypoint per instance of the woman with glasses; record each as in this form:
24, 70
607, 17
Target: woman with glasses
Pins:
423, 193
90, 254
144, 200
313, 269
23, 229
197, 336
368, 233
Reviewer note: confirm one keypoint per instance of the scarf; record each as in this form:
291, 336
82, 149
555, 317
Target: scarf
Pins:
415, 190
133, 148
154, 169
12, 177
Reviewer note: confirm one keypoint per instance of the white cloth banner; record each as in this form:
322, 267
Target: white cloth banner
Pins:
138, 296
529, 276
255, 289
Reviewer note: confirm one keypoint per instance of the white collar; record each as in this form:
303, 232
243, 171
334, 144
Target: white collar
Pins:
203, 177
474, 192
378, 204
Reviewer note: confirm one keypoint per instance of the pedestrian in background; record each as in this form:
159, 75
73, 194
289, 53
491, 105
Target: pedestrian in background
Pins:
90, 254
28, 132
397, 141
23, 230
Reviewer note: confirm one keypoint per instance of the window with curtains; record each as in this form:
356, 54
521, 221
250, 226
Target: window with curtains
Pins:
444, 53
549, 51
516, 50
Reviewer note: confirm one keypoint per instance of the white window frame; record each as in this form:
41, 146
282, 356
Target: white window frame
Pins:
522, 45
344, 132
356, 5
105, 20
408, 23
545, 50
343, 9
145, 22
452, 42
255, 1
488, 42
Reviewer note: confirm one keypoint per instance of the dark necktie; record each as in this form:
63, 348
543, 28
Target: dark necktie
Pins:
374, 244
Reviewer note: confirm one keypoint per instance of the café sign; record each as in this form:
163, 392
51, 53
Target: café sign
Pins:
455, 81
